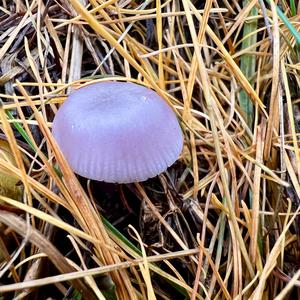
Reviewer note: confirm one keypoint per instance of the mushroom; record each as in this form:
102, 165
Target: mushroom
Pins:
117, 132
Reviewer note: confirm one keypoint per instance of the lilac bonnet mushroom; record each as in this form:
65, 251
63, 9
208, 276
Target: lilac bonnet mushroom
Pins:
117, 132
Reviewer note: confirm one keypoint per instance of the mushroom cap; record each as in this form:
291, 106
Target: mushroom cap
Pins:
117, 132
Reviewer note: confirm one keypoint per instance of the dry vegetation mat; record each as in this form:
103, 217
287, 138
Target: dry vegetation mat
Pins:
223, 222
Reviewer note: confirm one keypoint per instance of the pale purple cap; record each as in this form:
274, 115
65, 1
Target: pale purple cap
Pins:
117, 132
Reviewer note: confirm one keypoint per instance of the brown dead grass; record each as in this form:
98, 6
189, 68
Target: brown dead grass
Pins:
226, 216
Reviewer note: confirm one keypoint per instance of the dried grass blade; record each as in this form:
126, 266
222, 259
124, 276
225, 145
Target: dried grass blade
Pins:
144, 267
283, 294
208, 98
36, 238
231, 63
216, 273
273, 176
101, 270
50, 219
161, 78
273, 124
292, 174
16, 31
272, 260
6, 167
220, 246
16, 152
291, 120
113, 42
256, 196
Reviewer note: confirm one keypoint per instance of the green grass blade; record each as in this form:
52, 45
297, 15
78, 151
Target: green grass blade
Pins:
18, 127
21, 130
293, 8
288, 24
248, 64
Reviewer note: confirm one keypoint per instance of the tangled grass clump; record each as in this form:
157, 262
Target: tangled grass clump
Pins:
223, 222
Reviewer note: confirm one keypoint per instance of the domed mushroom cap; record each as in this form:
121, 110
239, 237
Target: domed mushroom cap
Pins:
117, 132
